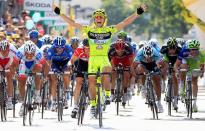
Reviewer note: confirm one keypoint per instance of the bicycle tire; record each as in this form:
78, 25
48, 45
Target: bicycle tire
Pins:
3, 101
3, 112
118, 93
43, 101
30, 107
25, 107
80, 110
72, 87
14, 98
189, 100
99, 108
60, 103
170, 97
153, 102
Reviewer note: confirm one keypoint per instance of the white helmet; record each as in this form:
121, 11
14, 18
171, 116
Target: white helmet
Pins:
147, 50
47, 39
4, 44
29, 47
142, 43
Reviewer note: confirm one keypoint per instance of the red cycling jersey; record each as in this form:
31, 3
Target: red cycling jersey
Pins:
80, 52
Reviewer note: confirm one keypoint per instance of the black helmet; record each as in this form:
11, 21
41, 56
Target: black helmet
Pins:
85, 42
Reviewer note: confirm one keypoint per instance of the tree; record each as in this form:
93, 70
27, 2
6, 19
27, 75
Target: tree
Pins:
116, 11
164, 17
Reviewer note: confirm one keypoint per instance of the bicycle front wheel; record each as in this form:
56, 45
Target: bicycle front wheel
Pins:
189, 100
99, 108
60, 103
25, 106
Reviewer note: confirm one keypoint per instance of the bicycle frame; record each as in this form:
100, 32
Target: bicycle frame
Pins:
28, 99
150, 99
3, 95
83, 98
188, 85
120, 71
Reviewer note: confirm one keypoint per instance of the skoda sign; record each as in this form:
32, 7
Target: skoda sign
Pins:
38, 5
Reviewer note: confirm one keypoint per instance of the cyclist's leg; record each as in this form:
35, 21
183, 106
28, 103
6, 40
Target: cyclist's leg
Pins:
21, 83
37, 68
133, 80
92, 68
194, 92
53, 83
113, 85
106, 67
45, 66
53, 87
175, 90
140, 69
9, 77
22, 79
66, 80
182, 78
126, 85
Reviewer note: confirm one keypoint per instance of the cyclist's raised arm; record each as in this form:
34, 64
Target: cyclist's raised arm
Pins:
72, 22
131, 18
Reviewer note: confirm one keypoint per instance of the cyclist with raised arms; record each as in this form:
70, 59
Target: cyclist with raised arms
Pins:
99, 36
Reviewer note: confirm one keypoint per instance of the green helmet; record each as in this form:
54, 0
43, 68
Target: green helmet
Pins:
122, 35
171, 42
193, 44
99, 12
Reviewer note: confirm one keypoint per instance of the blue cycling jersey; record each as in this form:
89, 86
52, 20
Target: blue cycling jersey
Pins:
155, 57
135, 47
65, 55
39, 43
184, 53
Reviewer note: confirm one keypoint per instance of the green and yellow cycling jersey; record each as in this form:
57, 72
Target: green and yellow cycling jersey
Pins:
194, 63
99, 39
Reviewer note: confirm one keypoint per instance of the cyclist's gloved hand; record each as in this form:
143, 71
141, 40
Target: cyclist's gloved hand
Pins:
141, 9
57, 10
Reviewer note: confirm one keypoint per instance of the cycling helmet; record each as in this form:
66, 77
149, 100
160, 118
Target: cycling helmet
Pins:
142, 43
171, 42
33, 34
129, 39
147, 50
29, 47
153, 42
119, 44
45, 50
74, 40
181, 41
47, 39
134, 46
193, 44
122, 35
4, 44
99, 12
85, 42
59, 42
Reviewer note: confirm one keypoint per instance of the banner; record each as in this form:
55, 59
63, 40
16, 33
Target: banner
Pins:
38, 5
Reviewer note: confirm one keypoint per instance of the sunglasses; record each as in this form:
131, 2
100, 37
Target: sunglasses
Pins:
99, 17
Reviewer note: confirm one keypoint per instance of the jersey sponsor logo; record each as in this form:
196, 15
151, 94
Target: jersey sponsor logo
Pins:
99, 36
